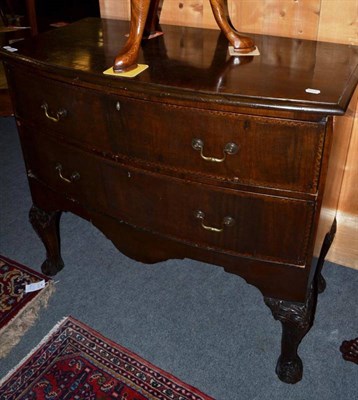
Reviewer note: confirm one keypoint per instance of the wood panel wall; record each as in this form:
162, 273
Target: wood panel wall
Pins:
325, 20
328, 20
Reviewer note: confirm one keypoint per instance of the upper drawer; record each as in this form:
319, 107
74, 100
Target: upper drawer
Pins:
77, 114
255, 225
283, 154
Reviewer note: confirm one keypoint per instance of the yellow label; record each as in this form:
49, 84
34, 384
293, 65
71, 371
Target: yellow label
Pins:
129, 74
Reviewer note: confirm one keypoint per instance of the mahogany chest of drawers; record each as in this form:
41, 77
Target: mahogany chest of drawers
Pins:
216, 158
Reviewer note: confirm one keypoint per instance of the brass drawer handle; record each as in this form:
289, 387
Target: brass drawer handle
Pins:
75, 176
56, 116
230, 148
227, 221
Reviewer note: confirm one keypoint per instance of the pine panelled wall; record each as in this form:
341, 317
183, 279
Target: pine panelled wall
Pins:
324, 20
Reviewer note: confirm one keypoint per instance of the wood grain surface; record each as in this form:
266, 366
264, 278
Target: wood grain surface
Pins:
324, 20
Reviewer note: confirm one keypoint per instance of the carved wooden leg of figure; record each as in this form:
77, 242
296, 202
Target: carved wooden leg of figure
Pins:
296, 320
321, 283
241, 43
46, 226
152, 24
126, 60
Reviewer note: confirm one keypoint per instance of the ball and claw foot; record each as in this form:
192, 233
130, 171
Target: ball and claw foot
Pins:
296, 320
349, 349
51, 268
289, 371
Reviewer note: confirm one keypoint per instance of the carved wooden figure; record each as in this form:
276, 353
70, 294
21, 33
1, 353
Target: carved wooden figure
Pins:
145, 22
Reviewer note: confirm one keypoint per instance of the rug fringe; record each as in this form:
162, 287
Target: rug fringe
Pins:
52, 331
11, 333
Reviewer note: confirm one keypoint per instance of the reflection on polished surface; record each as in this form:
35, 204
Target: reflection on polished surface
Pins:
199, 60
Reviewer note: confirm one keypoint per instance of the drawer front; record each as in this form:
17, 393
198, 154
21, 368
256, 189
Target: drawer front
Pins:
258, 226
256, 151
78, 115
65, 170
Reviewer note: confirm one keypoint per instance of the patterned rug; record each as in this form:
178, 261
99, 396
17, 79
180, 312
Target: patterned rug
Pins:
18, 308
74, 362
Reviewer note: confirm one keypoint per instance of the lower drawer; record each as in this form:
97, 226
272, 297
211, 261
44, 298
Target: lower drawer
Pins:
241, 223
254, 225
73, 173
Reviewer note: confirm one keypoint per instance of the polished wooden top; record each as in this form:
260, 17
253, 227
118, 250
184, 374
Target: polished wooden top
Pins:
194, 63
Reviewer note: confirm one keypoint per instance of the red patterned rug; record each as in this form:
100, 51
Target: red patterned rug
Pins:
19, 308
74, 362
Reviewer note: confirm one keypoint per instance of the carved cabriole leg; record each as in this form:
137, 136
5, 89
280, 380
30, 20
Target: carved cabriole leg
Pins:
126, 60
296, 320
321, 283
46, 225
241, 44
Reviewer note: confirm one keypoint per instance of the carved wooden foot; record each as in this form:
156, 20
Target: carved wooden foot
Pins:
126, 60
46, 226
321, 283
349, 349
242, 44
296, 320
145, 20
